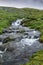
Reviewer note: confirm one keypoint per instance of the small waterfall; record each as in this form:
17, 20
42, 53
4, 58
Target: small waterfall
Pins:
5, 50
18, 22
34, 31
29, 42
2, 52
0, 43
32, 37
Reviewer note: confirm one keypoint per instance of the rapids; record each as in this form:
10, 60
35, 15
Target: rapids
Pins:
17, 43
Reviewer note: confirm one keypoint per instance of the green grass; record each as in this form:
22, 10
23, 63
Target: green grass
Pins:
36, 59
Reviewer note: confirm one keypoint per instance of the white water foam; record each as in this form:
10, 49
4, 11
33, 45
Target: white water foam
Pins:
29, 41
0, 43
18, 22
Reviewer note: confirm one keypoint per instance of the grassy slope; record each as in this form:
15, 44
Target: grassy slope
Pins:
7, 15
36, 59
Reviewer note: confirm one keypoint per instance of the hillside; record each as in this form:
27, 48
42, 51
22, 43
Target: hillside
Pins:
35, 18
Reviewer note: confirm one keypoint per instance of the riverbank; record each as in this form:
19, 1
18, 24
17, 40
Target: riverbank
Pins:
36, 59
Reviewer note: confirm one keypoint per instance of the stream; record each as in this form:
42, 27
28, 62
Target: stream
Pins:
18, 43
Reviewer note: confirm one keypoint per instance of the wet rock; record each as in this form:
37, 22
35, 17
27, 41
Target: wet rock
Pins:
8, 31
10, 49
36, 37
2, 37
2, 48
25, 33
6, 40
14, 35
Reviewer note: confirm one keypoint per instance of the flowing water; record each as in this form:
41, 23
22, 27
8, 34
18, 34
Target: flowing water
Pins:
17, 43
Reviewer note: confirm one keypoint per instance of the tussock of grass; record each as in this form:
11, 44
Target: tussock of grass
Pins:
36, 59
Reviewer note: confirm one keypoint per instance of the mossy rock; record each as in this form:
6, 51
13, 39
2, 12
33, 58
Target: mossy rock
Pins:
41, 38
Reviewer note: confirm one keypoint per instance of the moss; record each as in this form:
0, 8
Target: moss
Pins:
36, 59
41, 38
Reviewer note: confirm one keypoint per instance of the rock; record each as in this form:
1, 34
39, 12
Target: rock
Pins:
8, 31
2, 48
14, 35
6, 40
2, 37
10, 49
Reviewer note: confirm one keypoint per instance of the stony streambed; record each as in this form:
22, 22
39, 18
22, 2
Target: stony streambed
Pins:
18, 43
